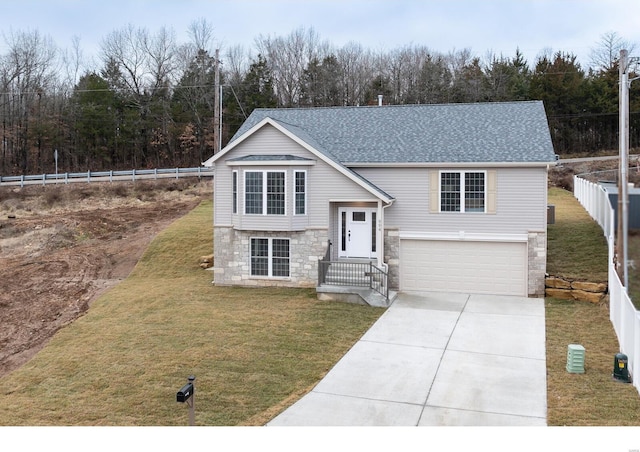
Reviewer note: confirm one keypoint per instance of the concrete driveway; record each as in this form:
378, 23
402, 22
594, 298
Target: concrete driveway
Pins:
436, 359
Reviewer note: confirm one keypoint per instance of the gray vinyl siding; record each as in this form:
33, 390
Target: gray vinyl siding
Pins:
324, 183
521, 201
222, 195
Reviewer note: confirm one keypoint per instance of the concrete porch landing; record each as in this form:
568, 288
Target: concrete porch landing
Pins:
354, 294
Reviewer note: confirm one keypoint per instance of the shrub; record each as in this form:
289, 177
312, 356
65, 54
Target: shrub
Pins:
52, 197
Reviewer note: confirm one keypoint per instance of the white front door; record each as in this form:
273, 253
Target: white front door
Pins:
357, 231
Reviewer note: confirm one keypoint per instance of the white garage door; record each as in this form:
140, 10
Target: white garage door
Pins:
463, 266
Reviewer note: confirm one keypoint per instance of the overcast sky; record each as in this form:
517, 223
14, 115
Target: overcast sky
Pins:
498, 26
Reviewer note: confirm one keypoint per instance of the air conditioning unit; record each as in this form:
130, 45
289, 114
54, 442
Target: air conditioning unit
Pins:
551, 214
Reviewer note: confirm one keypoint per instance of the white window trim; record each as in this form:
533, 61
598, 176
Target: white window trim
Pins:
462, 191
269, 258
295, 173
264, 192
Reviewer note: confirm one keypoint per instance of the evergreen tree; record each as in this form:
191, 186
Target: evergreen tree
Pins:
380, 85
469, 85
95, 108
320, 83
435, 81
192, 107
559, 82
507, 79
255, 91
123, 114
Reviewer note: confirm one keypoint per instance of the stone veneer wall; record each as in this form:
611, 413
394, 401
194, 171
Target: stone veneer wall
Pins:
392, 256
231, 251
537, 246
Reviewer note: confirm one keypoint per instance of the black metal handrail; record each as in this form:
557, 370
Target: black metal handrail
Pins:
322, 269
327, 255
359, 274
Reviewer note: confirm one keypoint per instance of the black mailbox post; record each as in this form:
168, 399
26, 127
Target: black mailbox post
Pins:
186, 395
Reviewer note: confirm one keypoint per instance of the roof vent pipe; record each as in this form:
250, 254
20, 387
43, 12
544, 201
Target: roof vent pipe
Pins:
379, 100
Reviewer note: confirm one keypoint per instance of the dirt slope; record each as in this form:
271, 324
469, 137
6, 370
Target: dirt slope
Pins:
61, 247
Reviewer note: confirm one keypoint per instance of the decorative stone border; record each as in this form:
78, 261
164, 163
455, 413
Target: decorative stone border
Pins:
565, 289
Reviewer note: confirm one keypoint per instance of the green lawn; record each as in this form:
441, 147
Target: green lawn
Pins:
253, 351
577, 247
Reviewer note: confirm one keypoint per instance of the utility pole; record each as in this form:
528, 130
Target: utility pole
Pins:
217, 133
623, 179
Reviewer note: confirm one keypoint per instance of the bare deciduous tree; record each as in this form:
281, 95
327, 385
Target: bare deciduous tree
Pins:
288, 57
201, 33
29, 70
357, 67
606, 53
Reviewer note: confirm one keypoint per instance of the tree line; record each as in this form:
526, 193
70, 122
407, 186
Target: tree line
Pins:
148, 101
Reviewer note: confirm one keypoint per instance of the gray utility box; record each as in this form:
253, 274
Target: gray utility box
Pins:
634, 204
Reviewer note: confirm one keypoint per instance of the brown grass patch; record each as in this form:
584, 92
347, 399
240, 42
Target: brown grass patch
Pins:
593, 398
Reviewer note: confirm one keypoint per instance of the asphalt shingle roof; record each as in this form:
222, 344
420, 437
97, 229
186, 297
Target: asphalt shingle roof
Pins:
446, 133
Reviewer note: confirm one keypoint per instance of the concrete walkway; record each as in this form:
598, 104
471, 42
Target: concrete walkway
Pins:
436, 359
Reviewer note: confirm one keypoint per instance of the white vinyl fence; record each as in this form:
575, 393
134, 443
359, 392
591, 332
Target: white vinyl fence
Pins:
624, 316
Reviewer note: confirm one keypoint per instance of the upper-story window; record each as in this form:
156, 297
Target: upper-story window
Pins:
300, 192
264, 192
462, 191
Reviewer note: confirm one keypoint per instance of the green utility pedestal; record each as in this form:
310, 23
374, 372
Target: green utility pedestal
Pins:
575, 359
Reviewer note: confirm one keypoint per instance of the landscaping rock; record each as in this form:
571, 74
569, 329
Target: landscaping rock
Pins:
591, 297
589, 286
557, 283
206, 261
558, 287
563, 294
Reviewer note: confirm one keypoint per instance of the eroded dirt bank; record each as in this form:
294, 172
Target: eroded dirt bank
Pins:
61, 247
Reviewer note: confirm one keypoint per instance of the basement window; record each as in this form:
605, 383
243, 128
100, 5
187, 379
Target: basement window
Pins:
270, 257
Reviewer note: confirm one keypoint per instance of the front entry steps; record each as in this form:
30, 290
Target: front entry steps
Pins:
355, 294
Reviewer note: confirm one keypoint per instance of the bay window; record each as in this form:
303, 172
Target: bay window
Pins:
264, 192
